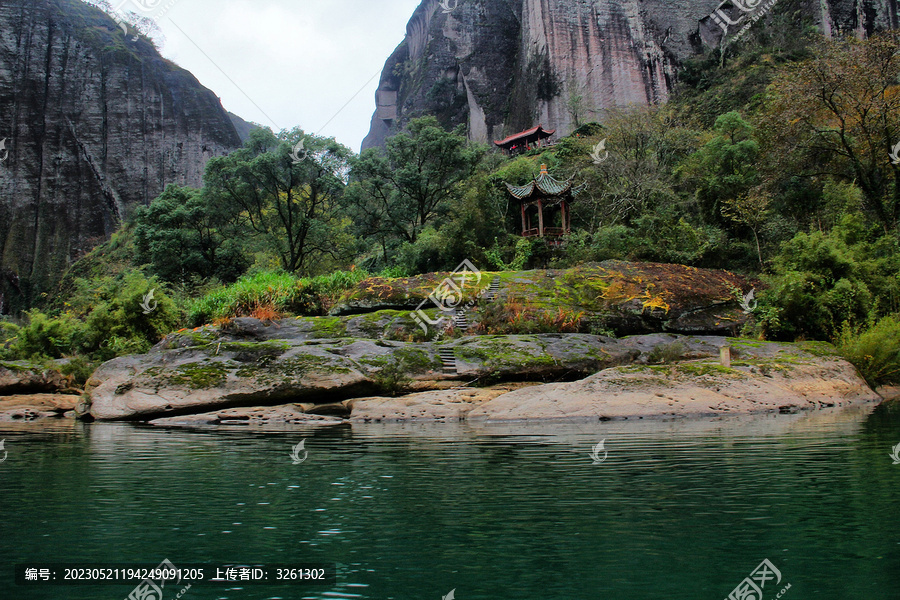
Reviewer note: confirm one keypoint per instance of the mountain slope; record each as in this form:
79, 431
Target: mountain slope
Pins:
95, 124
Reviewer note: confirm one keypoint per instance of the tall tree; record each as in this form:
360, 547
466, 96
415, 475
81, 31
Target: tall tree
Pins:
400, 189
724, 168
182, 234
838, 115
287, 190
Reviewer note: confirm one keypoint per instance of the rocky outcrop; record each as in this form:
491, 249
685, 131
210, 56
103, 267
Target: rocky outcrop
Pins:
94, 123
773, 378
502, 66
253, 364
621, 297
37, 406
27, 378
281, 373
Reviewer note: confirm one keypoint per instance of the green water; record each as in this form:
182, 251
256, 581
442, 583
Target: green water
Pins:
681, 510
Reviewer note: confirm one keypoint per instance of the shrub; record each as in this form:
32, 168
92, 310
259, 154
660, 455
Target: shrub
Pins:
875, 351
265, 294
665, 354
47, 337
79, 368
513, 317
120, 322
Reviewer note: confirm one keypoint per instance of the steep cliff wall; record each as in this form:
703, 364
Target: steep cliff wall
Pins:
501, 66
94, 125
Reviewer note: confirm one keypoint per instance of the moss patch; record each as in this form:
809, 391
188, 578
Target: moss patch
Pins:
197, 376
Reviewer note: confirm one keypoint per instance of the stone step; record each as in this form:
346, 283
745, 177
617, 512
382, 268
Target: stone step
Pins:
493, 290
448, 358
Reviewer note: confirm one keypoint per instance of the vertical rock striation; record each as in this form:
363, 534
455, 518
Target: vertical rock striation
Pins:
95, 125
501, 66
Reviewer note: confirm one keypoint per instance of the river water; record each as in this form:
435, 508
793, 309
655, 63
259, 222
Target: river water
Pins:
677, 510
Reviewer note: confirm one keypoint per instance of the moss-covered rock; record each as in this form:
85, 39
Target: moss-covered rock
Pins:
622, 297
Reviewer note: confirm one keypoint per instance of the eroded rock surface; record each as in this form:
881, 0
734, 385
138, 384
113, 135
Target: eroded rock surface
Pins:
30, 407
253, 363
26, 378
626, 298
279, 373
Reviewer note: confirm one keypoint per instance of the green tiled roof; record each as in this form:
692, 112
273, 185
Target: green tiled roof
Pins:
543, 183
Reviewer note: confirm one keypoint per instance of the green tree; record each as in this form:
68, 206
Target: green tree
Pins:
724, 168
399, 190
287, 194
752, 211
183, 234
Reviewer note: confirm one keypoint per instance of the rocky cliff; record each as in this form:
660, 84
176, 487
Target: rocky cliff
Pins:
94, 124
501, 66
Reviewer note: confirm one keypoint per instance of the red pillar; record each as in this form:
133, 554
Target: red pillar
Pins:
541, 217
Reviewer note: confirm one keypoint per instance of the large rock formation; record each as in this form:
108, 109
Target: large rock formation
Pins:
528, 327
502, 66
279, 374
624, 298
94, 123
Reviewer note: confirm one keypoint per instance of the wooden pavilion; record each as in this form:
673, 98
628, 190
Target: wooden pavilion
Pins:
544, 204
525, 140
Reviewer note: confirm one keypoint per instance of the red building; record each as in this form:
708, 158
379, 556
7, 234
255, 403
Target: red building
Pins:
525, 140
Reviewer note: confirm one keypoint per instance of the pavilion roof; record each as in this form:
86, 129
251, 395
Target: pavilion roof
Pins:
544, 184
537, 132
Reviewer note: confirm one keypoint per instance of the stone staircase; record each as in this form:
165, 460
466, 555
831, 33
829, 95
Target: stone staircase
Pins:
460, 322
448, 358
493, 290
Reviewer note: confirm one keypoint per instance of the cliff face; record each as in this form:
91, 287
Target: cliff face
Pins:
501, 66
94, 124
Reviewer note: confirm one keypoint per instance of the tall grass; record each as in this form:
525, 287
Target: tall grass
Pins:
874, 351
270, 295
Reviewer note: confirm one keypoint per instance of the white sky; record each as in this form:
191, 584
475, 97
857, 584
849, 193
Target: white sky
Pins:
298, 61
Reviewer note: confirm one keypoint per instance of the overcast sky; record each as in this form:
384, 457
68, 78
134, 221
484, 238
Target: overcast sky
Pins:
286, 63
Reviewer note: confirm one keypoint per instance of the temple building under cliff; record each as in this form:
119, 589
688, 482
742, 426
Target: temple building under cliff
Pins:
525, 140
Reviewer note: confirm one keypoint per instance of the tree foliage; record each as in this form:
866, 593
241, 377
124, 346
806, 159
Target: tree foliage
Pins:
837, 115
400, 190
289, 196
